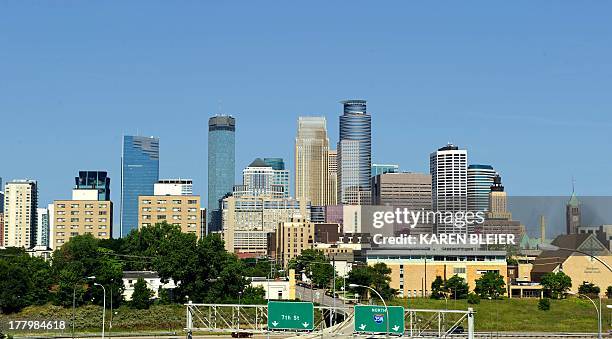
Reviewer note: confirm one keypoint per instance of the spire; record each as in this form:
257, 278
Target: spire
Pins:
573, 201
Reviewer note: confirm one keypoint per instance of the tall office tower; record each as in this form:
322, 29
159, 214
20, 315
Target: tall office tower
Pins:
410, 190
173, 187
332, 182
20, 219
384, 168
1, 200
96, 181
139, 173
354, 154
311, 160
573, 214
498, 201
281, 174
42, 233
2, 228
498, 218
221, 165
479, 182
448, 168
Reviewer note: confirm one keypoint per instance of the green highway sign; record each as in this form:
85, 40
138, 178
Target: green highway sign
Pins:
373, 319
284, 315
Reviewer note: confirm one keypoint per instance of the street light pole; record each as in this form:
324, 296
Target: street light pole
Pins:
74, 301
383, 301
103, 307
599, 335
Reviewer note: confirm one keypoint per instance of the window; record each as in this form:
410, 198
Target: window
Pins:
61, 205
89, 213
161, 217
146, 202
74, 219
102, 206
176, 209
459, 270
88, 205
102, 213
192, 202
176, 217
74, 205
161, 202
161, 209
74, 212
176, 202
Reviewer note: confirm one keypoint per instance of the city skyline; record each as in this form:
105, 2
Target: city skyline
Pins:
498, 96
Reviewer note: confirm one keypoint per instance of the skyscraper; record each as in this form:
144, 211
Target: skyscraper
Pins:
221, 165
479, 181
448, 168
311, 160
20, 217
332, 183
139, 173
281, 174
42, 233
354, 154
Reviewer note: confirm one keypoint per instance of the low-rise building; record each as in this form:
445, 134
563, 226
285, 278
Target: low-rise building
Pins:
580, 267
277, 289
152, 279
413, 270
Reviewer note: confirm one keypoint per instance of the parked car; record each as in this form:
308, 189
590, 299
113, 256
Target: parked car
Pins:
457, 330
242, 335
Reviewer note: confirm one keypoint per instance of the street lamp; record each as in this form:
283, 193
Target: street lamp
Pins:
383, 301
103, 307
596, 309
74, 299
551, 247
239, 295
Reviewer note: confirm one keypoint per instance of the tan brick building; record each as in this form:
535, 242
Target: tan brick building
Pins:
180, 210
79, 217
292, 237
413, 271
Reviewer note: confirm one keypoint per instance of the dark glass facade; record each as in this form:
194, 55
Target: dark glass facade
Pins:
277, 164
139, 173
221, 165
94, 180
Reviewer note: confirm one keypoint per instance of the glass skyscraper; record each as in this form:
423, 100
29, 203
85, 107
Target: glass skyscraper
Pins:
139, 173
479, 182
354, 154
221, 165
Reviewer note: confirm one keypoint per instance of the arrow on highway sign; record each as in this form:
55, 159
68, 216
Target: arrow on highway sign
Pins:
274, 323
395, 328
305, 325
362, 327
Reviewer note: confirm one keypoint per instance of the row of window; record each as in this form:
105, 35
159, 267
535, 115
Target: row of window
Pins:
174, 209
190, 225
77, 219
88, 205
174, 217
176, 202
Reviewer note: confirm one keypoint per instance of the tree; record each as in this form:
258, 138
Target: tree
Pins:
555, 284
588, 288
315, 265
376, 276
141, 297
609, 292
79, 258
473, 299
24, 280
490, 285
544, 304
456, 287
437, 288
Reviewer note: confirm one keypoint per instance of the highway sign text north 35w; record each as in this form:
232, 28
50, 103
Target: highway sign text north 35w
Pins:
284, 315
373, 319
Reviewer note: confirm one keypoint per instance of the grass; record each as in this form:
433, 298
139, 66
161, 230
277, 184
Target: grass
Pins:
507, 315
512, 315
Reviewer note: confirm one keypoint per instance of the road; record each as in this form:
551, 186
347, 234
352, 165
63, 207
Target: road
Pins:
316, 295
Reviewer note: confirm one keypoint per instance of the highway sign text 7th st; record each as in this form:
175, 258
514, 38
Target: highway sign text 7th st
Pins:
284, 315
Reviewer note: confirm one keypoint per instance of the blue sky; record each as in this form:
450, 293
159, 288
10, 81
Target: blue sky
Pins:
523, 85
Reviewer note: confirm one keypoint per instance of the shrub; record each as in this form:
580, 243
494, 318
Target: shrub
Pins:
473, 298
544, 304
